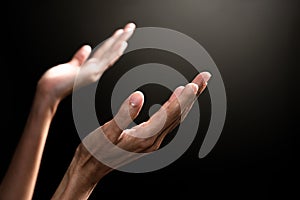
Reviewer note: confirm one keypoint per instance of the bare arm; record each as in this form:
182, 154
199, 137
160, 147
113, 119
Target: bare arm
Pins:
54, 85
20, 178
85, 170
19, 181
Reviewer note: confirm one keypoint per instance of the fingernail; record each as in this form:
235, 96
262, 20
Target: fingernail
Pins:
136, 99
206, 76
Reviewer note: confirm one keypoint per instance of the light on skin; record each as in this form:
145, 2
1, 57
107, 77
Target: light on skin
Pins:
85, 171
55, 84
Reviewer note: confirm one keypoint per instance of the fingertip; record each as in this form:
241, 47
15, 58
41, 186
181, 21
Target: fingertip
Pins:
130, 27
205, 76
194, 87
131, 24
118, 32
81, 55
136, 99
129, 110
176, 93
86, 48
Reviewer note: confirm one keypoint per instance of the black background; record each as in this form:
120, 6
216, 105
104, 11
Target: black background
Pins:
255, 45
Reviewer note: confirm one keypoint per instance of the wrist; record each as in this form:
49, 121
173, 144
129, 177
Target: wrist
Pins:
81, 177
45, 102
88, 166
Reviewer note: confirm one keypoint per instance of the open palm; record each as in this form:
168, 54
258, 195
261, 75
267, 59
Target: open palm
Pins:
58, 81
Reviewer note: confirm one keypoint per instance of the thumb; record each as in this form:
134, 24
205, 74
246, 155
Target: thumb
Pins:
128, 112
81, 55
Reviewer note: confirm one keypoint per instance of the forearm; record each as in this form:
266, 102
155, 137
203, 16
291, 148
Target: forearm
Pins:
20, 178
82, 176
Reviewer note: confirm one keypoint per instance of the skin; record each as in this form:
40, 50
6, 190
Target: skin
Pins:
56, 83
85, 171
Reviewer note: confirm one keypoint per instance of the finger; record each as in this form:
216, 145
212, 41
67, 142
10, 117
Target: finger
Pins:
111, 40
118, 51
122, 39
163, 117
157, 123
188, 95
130, 26
159, 139
128, 31
81, 55
201, 80
116, 41
108, 43
171, 111
120, 44
122, 34
128, 111
175, 95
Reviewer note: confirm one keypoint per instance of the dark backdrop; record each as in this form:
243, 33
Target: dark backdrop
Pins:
254, 43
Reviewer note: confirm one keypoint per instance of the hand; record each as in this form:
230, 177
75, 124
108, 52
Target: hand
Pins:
54, 85
58, 81
85, 170
145, 137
